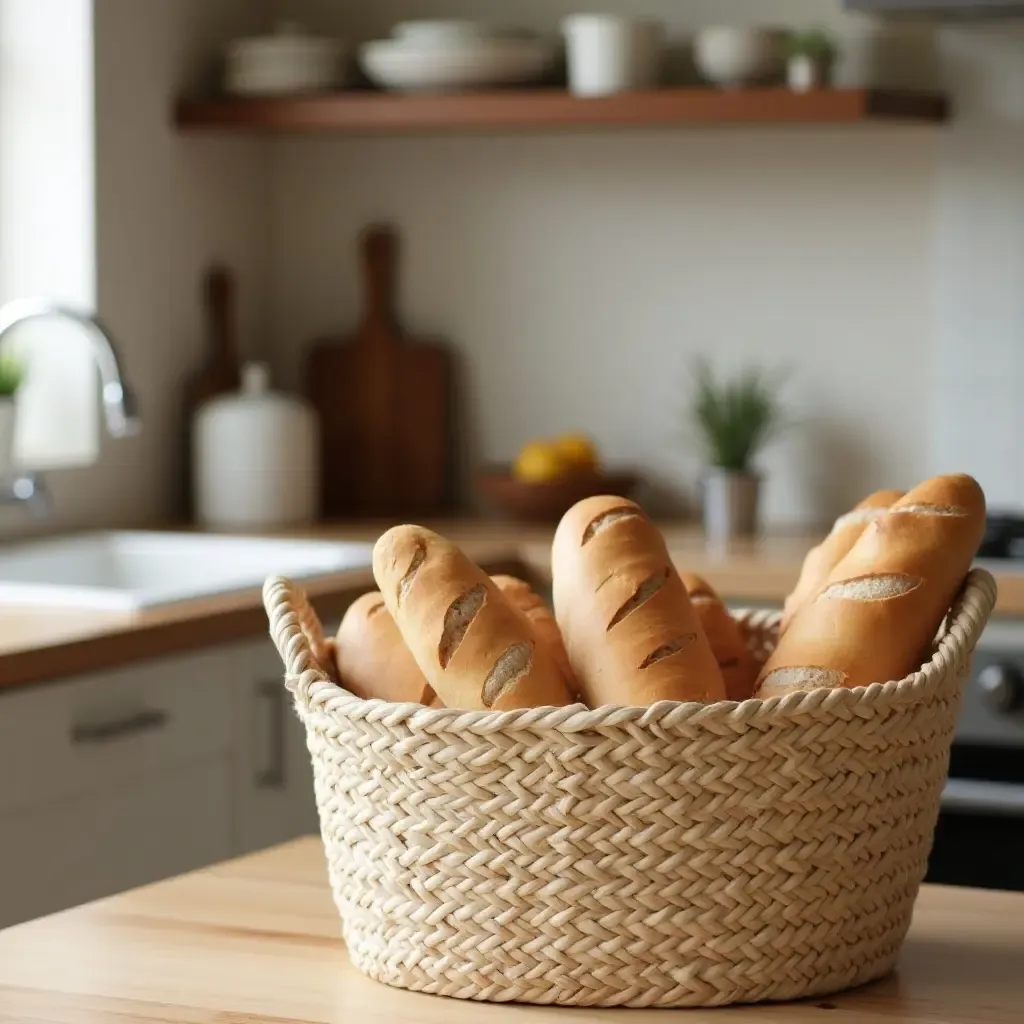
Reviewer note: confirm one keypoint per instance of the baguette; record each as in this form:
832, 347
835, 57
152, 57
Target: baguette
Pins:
728, 644
821, 560
373, 660
884, 602
324, 653
320, 647
473, 646
532, 605
631, 633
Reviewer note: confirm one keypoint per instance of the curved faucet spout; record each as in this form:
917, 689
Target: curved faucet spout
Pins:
119, 406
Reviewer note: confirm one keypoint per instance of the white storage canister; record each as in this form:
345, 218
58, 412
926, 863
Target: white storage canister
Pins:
256, 457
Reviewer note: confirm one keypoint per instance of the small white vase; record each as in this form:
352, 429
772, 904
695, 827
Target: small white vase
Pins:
7, 416
805, 74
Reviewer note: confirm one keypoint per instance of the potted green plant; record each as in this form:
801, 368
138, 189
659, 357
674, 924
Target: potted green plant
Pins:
11, 377
811, 58
735, 419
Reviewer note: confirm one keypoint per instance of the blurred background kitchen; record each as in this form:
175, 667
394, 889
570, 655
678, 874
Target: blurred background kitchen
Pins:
466, 262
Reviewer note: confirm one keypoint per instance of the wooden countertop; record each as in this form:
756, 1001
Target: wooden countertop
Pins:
40, 644
257, 940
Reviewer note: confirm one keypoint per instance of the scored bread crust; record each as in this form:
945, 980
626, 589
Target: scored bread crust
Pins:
728, 644
473, 646
821, 560
532, 605
883, 603
631, 633
373, 660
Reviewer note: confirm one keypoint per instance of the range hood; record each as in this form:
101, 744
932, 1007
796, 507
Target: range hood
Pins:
941, 8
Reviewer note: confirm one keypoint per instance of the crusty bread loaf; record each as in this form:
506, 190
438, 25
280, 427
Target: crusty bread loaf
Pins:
632, 635
884, 602
728, 644
373, 659
532, 605
324, 651
322, 648
473, 646
821, 560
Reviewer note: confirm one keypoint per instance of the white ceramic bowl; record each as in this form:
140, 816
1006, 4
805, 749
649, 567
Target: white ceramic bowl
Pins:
440, 31
730, 56
285, 63
468, 64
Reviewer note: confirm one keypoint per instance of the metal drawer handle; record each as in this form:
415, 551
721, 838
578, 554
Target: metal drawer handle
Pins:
974, 796
147, 720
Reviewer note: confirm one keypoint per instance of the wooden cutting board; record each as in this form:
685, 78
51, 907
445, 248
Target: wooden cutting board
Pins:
220, 372
385, 405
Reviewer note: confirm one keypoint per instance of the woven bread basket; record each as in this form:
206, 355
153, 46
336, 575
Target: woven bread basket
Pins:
677, 855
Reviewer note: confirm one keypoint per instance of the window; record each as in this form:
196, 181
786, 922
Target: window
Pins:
47, 219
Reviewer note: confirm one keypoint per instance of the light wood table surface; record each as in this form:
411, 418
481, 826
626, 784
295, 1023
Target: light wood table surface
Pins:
257, 940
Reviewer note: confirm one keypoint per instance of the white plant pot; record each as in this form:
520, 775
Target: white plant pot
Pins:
7, 417
805, 74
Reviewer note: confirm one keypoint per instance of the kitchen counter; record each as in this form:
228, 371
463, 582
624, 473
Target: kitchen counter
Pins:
39, 644
257, 940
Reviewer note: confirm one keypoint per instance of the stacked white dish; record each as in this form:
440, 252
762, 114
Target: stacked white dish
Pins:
438, 56
287, 62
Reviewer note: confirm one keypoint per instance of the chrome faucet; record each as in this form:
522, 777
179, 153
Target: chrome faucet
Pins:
119, 407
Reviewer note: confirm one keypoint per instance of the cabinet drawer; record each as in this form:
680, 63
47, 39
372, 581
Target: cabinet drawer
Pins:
64, 739
60, 855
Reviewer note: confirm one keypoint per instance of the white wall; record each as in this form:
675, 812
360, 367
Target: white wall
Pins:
577, 277
166, 208
978, 415
578, 273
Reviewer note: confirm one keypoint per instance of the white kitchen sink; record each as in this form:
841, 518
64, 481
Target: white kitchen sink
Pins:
132, 570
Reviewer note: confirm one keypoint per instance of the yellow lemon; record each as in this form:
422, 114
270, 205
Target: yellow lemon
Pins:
577, 451
538, 462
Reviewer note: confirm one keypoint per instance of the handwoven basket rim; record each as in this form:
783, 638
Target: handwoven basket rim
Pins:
313, 690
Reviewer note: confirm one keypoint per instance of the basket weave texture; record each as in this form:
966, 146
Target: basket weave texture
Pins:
677, 855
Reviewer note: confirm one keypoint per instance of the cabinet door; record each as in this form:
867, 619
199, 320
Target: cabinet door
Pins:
87, 735
59, 855
273, 797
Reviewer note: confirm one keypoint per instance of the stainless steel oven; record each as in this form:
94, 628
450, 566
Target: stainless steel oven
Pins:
980, 838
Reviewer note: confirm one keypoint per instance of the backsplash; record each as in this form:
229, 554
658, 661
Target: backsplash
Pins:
578, 273
578, 276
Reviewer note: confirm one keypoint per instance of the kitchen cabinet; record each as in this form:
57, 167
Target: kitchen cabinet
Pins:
86, 734
113, 781
273, 782
59, 855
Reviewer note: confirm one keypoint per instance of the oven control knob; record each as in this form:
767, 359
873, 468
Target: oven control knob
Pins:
1002, 687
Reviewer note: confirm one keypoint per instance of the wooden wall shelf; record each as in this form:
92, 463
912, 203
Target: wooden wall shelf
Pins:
360, 113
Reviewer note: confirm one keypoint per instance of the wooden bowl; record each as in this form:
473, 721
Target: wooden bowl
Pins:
548, 502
